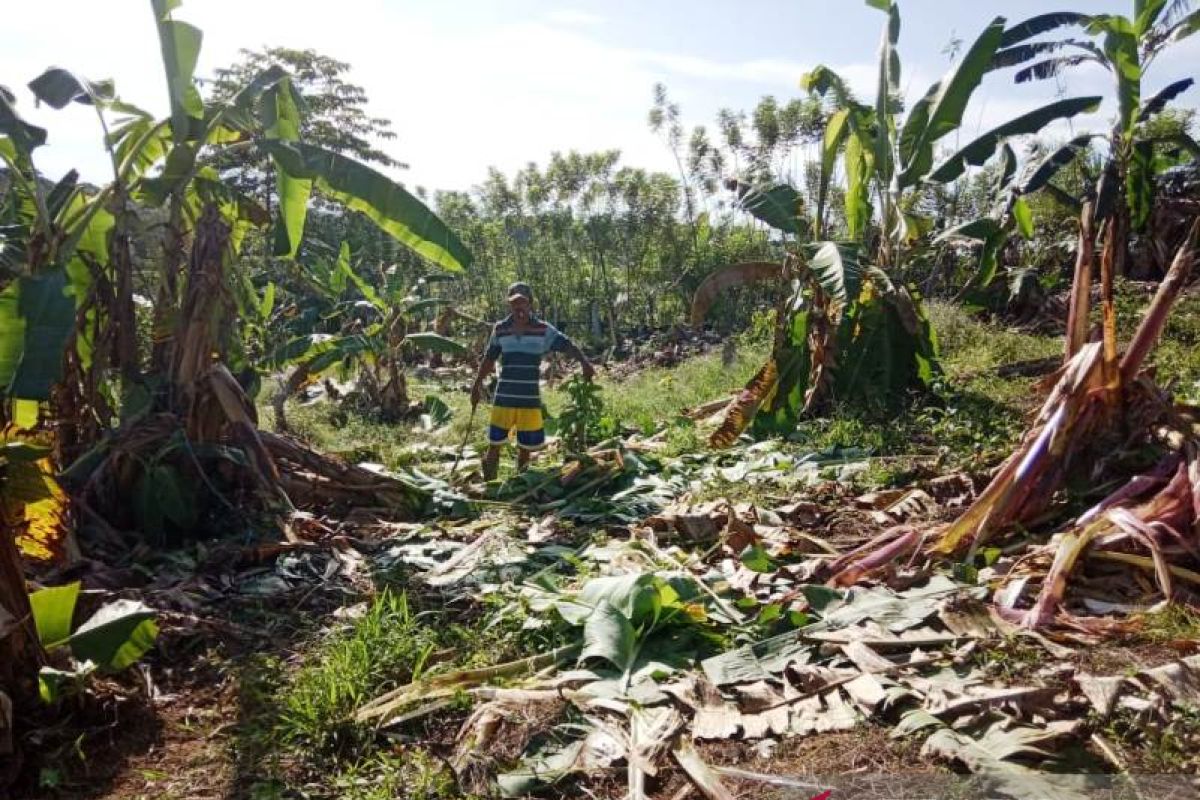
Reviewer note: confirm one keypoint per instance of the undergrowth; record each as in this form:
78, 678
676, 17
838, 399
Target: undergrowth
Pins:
298, 730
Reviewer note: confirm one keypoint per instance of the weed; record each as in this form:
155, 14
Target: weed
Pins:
1015, 660
1173, 624
410, 773
1151, 747
655, 396
383, 648
580, 421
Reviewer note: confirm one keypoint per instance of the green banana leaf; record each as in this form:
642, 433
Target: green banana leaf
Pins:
947, 107
388, 204
36, 320
981, 149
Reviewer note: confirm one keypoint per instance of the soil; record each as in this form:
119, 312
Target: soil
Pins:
165, 731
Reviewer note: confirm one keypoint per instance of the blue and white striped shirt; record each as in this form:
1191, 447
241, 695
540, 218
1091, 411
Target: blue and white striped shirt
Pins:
520, 356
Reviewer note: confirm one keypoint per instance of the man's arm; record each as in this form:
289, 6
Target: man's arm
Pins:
561, 343
486, 367
572, 349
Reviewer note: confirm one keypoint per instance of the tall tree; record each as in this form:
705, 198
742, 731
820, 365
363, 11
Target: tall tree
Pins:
335, 114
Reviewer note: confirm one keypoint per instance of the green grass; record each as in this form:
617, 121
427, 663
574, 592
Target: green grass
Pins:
1173, 624
643, 401
296, 730
974, 418
1176, 359
654, 396
297, 727
382, 649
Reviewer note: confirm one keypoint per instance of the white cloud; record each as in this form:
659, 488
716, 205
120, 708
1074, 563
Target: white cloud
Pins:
574, 17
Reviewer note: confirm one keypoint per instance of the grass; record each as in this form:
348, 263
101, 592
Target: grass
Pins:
382, 649
654, 396
1175, 623
642, 401
1176, 359
973, 419
1150, 747
298, 728
297, 731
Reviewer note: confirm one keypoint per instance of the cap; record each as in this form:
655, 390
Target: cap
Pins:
520, 289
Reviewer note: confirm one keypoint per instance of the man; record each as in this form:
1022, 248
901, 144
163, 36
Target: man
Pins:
519, 341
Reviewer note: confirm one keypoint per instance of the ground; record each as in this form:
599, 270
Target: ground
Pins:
259, 669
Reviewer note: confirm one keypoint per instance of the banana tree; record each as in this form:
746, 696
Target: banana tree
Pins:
1011, 213
373, 327
1125, 47
851, 330
184, 418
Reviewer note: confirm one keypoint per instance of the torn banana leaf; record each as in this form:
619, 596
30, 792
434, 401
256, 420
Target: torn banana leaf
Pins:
741, 410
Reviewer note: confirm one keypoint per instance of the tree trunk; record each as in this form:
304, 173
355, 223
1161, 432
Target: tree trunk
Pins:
1081, 286
20, 652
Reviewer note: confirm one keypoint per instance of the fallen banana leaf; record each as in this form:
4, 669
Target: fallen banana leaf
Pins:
702, 776
988, 756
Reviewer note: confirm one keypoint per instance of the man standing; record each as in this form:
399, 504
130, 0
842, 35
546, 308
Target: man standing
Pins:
519, 341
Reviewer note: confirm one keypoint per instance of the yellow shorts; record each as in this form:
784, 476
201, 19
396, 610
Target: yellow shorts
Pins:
527, 422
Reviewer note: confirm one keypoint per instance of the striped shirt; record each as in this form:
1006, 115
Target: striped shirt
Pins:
520, 356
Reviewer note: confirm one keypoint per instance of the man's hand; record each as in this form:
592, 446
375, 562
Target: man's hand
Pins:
589, 371
476, 393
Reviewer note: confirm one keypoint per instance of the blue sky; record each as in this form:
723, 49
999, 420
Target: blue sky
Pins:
477, 83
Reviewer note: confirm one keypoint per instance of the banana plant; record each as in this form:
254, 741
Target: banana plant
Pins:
1125, 47
851, 330
166, 163
373, 327
67, 318
1011, 211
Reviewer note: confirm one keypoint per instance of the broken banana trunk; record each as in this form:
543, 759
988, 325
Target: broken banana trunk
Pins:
1068, 421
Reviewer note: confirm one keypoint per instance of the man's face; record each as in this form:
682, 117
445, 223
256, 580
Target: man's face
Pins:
520, 309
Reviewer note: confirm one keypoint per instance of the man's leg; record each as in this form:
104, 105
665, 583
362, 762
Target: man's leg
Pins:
501, 423
531, 436
491, 462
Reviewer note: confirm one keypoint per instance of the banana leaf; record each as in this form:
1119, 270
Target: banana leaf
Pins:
385, 202
727, 277
36, 320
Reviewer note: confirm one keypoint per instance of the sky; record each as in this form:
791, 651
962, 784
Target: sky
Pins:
473, 84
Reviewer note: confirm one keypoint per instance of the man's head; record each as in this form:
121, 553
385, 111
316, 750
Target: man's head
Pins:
520, 301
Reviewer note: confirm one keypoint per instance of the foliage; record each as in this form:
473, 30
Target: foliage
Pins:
342, 325
582, 418
1126, 48
335, 118
384, 647
853, 332
69, 329
113, 638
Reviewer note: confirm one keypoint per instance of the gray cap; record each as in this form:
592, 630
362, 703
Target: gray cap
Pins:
520, 289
